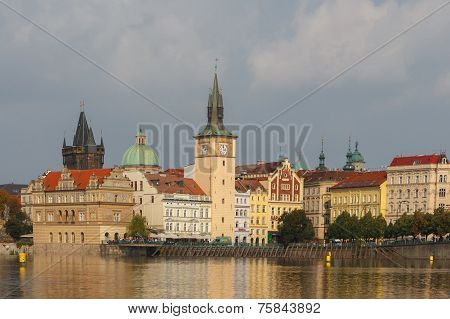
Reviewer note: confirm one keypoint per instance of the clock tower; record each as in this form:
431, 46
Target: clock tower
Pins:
215, 161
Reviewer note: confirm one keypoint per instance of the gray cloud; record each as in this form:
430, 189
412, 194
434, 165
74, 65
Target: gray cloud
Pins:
271, 54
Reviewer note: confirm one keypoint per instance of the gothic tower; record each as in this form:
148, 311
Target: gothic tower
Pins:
84, 153
214, 168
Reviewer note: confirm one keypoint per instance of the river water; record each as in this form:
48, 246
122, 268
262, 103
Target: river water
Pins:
121, 277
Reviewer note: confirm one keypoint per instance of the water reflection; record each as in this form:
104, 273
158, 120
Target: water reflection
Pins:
97, 277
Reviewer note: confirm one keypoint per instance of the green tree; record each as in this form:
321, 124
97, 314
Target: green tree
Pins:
366, 225
345, 227
379, 227
18, 224
427, 227
441, 222
295, 227
405, 225
138, 227
390, 231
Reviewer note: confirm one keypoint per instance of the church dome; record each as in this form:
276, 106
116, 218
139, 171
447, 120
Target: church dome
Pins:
140, 154
357, 156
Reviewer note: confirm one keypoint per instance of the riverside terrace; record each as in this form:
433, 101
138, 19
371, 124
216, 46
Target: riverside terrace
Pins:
398, 250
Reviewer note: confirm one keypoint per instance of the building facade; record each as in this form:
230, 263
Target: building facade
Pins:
80, 206
242, 215
360, 194
84, 152
417, 183
181, 206
317, 196
214, 167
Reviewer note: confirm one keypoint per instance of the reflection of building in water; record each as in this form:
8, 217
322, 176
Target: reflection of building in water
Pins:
220, 278
80, 277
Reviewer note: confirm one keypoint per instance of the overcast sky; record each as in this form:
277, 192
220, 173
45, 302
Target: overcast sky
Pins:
271, 52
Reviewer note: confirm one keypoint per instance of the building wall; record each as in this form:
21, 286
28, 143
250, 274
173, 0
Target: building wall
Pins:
215, 172
358, 201
317, 201
259, 217
242, 218
417, 187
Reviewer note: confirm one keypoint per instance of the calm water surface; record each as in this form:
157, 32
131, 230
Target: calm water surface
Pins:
114, 277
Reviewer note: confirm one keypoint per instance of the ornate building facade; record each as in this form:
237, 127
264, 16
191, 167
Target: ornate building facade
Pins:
417, 183
84, 152
242, 217
80, 206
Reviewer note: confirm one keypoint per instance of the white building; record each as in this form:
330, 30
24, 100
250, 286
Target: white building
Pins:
242, 213
417, 183
176, 208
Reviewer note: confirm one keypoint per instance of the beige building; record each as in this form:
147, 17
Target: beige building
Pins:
317, 196
214, 167
417, 183
80, 206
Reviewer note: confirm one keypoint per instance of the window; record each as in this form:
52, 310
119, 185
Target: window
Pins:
223, 182
417, 179
223, 163
417, 194
223, 220
140, 200
116, 217
153, 199
82, 238
82, 217
400, 180
50, 238
425, 179
141, 185
441, 205
425, 192
442, 192
223, 200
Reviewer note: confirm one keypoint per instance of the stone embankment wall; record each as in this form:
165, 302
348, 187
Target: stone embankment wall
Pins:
12, 249
438, 251
67, 249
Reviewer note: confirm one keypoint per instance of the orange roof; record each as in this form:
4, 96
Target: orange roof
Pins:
175, 171
246, 184
417, 160
366, 179
80, 178
174, 184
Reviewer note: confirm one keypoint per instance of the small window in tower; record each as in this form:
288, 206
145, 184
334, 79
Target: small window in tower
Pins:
223, 163
223, 182
223, 220
223, 200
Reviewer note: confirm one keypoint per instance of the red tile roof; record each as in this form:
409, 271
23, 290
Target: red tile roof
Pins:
315, 176
417, 160
80, 177
245, 184
366, 179
174, 184
175, 171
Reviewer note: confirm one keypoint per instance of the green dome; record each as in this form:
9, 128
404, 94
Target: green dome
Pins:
357, 156
140, 154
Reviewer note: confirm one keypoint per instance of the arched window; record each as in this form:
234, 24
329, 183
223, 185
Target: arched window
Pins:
82, 238
73, 238
50, 239
66, 237
60, 237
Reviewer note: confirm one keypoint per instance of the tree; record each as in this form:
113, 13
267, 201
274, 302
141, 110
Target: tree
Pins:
138, 227
295, 227
18, 224
427, 227
441, 222
343, 227
390, 231
405, 225
379, 227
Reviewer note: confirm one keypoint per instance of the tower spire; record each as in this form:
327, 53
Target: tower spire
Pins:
322, 166
349, 164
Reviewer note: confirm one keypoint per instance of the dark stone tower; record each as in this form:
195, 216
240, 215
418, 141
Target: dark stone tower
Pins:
84, 153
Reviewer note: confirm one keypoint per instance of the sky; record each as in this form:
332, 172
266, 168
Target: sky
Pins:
270, 53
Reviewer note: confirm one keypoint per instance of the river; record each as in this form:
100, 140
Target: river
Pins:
120, 277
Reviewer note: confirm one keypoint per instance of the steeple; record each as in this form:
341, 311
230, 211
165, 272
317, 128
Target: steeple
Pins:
349, 164
64, 142
322, 166
84, 135
215, 124
357, 159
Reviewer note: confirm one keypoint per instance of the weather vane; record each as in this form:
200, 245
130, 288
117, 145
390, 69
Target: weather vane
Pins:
215, 66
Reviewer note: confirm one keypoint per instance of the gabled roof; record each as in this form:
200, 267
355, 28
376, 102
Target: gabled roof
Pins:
325, 176
366, 179
259, 168
248, 184
80, 178
174, 184
417, 160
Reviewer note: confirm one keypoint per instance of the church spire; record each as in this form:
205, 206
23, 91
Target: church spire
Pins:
322, 166
215, 124
349, 164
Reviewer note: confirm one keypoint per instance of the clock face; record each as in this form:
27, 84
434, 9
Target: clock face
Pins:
223, 150
204, 149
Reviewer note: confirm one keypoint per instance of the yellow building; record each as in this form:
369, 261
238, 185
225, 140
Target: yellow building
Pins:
259, 216
80, 206
360, 194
